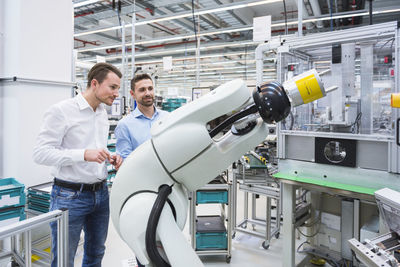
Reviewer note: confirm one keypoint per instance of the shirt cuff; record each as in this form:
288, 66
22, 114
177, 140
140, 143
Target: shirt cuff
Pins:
78, 155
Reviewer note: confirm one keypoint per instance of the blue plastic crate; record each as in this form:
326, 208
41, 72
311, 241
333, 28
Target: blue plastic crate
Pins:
211, 196
38, 195
12, 215
175, 100
207, 241
40, 202
36, 207
111, 148
11, 193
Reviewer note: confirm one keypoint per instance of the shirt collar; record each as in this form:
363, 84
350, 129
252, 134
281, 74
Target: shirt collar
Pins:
137, 113
83, 104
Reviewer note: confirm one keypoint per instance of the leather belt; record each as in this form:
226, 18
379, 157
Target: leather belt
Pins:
78, 186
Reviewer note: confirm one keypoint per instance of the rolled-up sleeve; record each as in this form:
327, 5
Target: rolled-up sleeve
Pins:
123, 145
48, 150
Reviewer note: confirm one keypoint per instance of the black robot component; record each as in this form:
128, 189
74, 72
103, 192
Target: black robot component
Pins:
272, 102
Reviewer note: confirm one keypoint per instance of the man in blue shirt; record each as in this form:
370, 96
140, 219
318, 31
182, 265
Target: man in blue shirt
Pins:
134, 129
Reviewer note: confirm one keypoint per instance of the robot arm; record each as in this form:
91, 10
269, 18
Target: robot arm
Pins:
183, 155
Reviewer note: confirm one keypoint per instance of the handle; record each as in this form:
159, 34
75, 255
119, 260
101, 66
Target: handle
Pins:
397, 132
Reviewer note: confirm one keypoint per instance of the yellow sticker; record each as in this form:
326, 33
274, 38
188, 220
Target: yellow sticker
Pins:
309, 88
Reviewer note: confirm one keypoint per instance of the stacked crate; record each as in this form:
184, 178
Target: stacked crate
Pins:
211, 232
171, 104
12, 201
39, 197
111, 146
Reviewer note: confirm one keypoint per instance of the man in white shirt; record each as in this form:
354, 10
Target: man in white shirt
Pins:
73, 140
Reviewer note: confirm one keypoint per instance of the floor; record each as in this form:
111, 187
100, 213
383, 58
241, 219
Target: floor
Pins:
246, 249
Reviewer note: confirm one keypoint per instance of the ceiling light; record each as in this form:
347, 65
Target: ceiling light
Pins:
174, 59
162, 40
84, 3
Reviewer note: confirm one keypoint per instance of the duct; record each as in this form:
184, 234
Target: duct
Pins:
259, 55
317, 12
309, 25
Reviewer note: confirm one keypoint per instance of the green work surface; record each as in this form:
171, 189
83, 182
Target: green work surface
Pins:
347, 187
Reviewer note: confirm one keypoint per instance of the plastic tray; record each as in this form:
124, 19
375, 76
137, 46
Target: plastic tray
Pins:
11, 193
211, 196
12, 215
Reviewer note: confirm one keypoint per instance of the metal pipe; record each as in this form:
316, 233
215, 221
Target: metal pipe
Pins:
65, 236
21, 226
268, 221
370, 12
123, 61
198, 51
317, 12
259, 54
300, 17
28, 249
133, 42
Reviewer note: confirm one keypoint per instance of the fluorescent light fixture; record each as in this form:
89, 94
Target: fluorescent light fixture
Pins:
84, 3
163, 40
212, 71
222, 68
188, 14
175, 59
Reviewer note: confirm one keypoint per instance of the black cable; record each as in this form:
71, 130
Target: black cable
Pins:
285, 13
380, 48
235, 117
151, 247
194, 22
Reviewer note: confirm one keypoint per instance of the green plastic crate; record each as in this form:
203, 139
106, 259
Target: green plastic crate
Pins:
211, 196
11, 193
12, 215
211, 233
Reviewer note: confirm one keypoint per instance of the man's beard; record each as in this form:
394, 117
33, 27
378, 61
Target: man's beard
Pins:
143, 102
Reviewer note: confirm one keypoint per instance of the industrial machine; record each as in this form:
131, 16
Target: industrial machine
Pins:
183, 155
344, 147
382, 251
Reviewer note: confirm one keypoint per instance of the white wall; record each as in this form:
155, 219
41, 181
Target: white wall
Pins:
38, 39
37, 43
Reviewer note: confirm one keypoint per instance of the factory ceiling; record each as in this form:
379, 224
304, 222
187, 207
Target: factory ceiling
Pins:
221, 28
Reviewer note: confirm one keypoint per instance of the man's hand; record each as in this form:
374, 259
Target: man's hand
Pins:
96, 155
116, 160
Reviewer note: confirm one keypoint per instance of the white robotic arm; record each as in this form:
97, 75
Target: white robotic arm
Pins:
183, 155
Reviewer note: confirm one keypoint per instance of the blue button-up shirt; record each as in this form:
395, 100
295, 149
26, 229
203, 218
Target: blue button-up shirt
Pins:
134, 129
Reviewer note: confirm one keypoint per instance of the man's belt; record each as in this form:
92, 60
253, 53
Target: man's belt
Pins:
78, 186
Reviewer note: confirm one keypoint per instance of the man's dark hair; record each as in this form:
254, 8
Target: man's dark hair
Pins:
100, 72
139, 77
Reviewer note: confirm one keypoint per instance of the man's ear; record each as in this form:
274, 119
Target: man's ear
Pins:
132, 94
94, 83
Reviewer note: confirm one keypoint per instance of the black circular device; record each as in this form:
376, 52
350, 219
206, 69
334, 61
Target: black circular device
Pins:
272, 102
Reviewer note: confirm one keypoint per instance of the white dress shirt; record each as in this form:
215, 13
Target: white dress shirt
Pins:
70, 127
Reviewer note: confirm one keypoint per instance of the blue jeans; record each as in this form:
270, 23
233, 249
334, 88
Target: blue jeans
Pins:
88, 211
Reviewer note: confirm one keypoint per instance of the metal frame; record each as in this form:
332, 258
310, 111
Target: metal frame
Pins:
226, 213
360, 34
25, 228
260, 185
372, 255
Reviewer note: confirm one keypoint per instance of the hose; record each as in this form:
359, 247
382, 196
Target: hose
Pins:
151, 247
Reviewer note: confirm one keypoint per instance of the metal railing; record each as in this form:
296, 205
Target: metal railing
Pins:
26, 226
